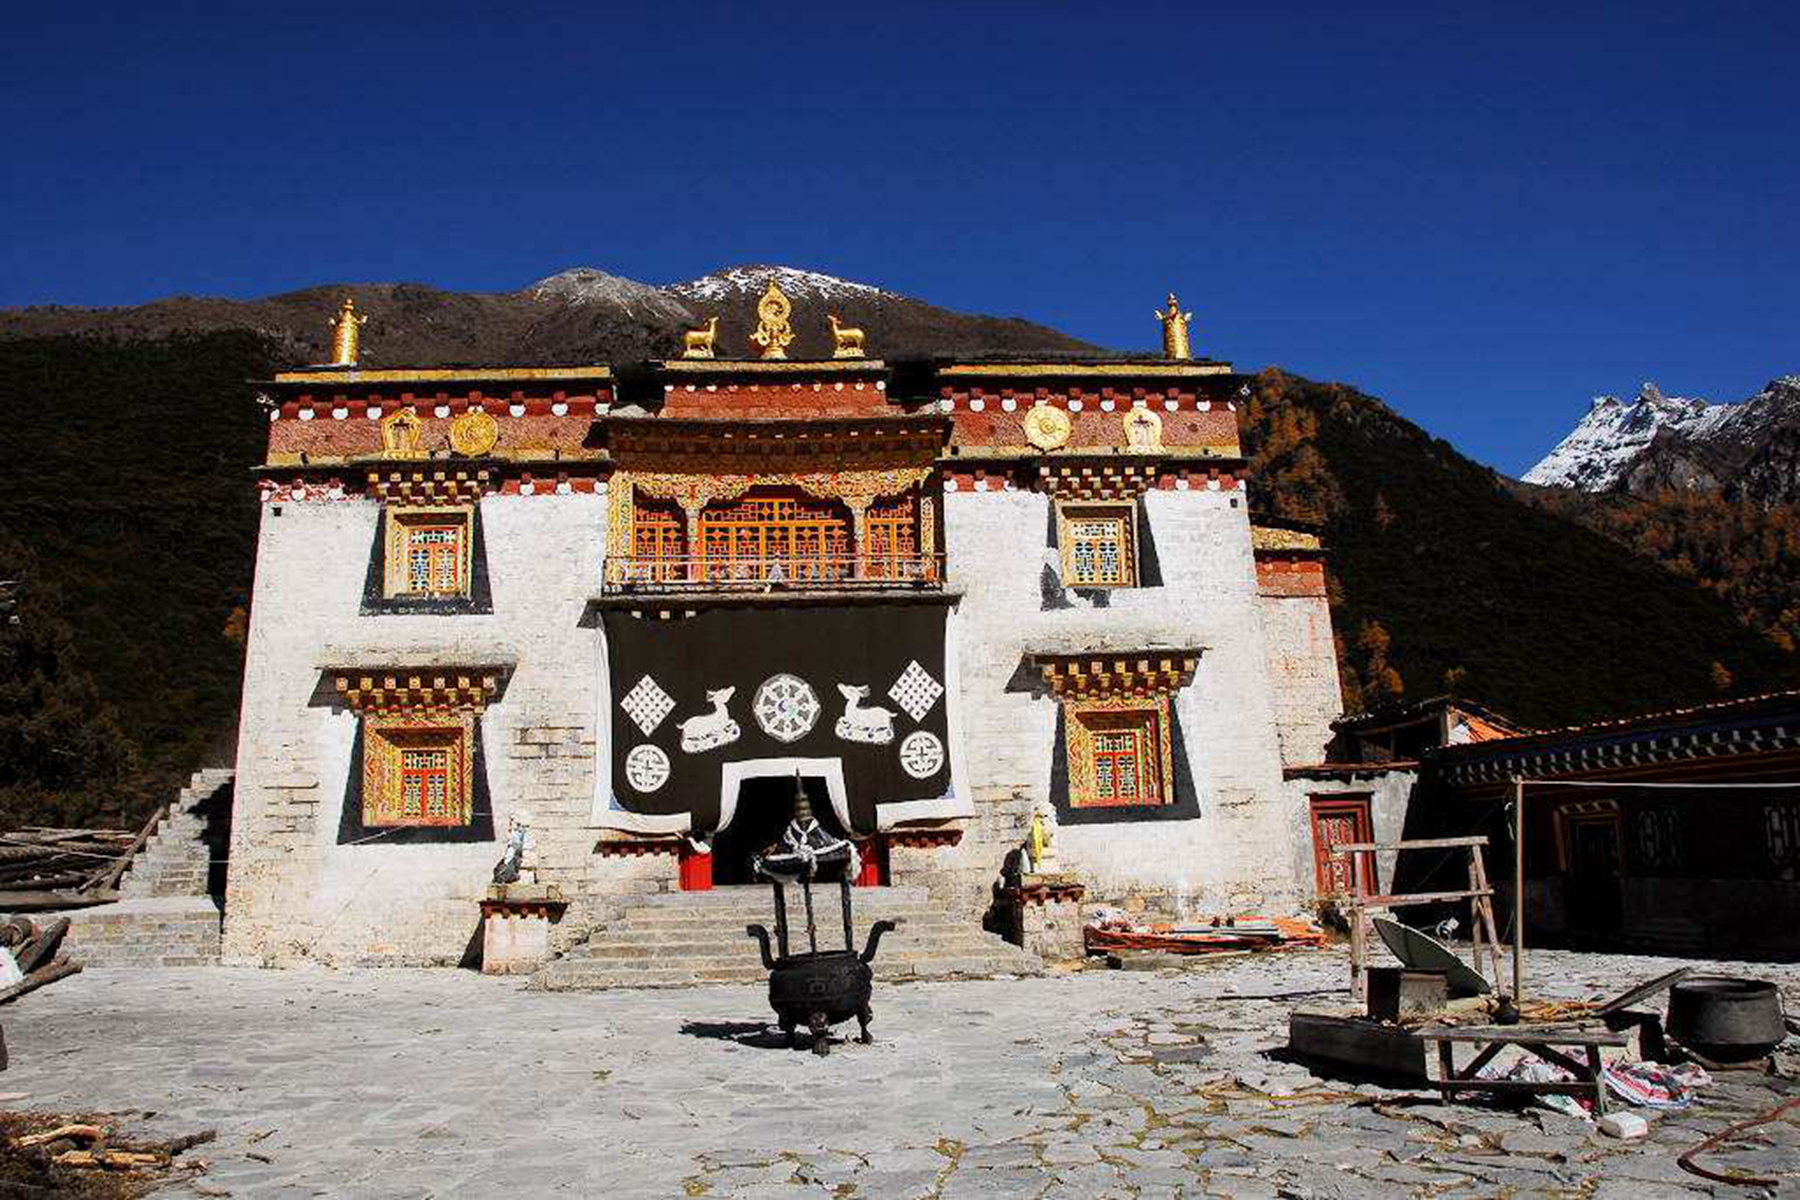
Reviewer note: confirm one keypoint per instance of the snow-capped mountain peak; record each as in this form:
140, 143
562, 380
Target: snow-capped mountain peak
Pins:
589, 285
1656, 440
797, 283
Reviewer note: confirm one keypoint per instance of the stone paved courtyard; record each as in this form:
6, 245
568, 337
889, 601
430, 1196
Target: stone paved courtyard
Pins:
393, 1083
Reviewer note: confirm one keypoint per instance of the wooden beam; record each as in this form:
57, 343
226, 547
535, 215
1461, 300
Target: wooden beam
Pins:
1421, 844
1421, 898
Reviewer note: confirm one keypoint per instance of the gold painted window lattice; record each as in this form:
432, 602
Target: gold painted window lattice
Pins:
1119, 752
417, 769
1098, 549
807, 539
890, 537
428, 552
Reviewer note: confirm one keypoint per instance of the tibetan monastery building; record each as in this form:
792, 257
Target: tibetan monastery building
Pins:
626, 606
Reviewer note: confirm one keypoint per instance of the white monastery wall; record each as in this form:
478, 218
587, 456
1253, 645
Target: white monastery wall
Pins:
1303, 670
1219, 862
1390, 797
293, 891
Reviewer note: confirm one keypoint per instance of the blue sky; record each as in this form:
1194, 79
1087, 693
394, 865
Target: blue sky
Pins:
1483, 214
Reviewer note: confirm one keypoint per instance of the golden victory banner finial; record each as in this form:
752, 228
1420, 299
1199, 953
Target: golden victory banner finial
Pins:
773, 333
1175, 330
345, 341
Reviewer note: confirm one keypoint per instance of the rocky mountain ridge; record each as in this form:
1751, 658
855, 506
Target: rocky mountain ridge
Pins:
1652, 443
580, 315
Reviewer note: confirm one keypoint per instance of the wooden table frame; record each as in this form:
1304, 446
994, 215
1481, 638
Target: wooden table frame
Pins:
1537, 1040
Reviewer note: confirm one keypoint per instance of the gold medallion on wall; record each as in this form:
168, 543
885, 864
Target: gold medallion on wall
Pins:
1047, 428
474, 433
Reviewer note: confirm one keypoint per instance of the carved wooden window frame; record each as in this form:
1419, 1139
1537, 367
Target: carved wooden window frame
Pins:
387, 739
1150, 718
402, 522
1781, 835
1071, 539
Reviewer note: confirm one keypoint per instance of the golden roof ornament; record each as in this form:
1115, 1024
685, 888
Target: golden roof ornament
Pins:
402, 435
1047, 428
847, 339
1175, 330
698, 343
344, 343
773, 333
474, 433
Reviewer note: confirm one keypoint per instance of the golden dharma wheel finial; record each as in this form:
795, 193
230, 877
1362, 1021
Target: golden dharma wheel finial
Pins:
344, 343
773, 332
1175, 330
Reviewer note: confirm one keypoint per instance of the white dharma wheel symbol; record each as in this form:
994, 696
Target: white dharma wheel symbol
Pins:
921, 754
786, 707
646, 768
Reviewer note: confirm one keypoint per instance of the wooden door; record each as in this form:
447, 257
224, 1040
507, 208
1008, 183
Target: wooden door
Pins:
1335, 821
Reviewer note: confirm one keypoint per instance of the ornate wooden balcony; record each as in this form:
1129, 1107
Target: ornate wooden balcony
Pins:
710, 573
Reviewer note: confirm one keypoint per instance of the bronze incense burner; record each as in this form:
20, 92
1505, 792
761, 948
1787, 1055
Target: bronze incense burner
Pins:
816, 988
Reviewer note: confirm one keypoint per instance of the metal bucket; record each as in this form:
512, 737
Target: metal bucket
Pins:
1726, 1020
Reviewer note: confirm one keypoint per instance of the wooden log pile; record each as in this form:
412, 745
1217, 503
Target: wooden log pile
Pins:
38, 859
43, 868
33, 948
53, 1156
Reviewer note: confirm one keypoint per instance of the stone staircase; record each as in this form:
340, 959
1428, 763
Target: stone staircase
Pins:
177, 860
167, 914
698, 937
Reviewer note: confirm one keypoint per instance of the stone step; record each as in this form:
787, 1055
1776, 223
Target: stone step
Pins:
734, 935
687, 938
595, 976
893, 943
733, 923
172, 931
761, 896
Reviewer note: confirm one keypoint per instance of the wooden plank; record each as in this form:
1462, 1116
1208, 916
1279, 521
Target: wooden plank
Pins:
107, 877
1570, 1087
1419, 898
1596, 1072
1487, 913
1421, 844
50, 901
1357, 1042
1523, 1035
1627, 999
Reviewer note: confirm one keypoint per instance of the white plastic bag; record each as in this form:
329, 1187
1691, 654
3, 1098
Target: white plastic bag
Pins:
9, 968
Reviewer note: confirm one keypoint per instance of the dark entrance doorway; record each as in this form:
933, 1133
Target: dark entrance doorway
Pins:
764, 807
1594, 901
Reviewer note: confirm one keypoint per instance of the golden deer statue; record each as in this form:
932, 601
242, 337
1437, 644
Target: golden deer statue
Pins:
698, 343
849, 340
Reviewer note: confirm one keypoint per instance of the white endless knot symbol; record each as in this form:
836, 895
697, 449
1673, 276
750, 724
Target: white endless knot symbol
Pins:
646, 768
786, 707
647, 705
916, 691
921, 754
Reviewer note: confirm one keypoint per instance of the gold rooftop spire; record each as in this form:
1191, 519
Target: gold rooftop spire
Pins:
344, 343
1175, 330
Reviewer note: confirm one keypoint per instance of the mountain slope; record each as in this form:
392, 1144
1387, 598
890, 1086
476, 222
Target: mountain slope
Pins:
579, 315
1547, 621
